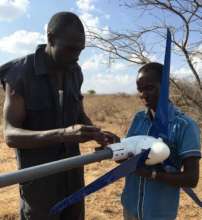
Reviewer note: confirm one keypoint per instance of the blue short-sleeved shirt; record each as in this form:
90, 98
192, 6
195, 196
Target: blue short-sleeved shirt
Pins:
152, 200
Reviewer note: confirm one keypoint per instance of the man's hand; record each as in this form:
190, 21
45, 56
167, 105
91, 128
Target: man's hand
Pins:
83, 133
111, 137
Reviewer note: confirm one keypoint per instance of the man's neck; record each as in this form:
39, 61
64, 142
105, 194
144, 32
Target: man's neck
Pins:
49, 60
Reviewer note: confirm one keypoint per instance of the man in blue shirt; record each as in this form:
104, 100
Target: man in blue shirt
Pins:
152, 193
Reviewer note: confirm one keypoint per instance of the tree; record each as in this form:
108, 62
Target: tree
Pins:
131, 46
91, 92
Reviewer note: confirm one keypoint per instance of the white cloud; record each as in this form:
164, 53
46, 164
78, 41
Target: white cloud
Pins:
110, 83
118, 66
85, 5
94, 63
89, 64
98, 76
21, 42
12, 9
100, 60
185, 72
197, 59
107, 79
146, 57
182, 73
198, 64
107, 16
86, 8
90, 20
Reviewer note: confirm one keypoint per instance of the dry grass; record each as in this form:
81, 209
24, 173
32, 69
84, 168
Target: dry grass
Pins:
112, 113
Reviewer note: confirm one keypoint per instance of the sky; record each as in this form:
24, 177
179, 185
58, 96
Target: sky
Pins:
23, 26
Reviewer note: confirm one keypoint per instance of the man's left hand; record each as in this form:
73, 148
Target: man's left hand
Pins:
111, 137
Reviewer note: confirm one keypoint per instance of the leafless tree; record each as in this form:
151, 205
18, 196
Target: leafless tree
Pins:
131, 46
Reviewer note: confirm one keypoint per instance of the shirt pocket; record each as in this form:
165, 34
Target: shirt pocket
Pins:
72, 107
36, 104
41, 113
39, 96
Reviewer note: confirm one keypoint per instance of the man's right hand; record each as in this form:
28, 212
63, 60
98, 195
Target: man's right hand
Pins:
83, 133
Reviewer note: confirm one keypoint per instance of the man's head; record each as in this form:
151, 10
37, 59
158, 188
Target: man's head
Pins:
148, 84
66, 38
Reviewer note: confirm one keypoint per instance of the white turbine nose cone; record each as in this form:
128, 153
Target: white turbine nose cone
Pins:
158, 153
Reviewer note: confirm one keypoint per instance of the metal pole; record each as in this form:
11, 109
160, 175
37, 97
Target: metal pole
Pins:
35, 172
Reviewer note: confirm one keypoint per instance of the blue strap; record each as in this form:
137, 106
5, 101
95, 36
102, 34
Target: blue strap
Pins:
122, 170
193, 196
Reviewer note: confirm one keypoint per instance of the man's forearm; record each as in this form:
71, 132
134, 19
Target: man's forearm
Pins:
22, 138
177, 179
187, 178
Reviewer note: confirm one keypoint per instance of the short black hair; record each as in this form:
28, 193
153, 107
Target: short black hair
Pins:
153, 68
62, 20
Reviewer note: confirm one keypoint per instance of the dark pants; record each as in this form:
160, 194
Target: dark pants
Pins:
39, 196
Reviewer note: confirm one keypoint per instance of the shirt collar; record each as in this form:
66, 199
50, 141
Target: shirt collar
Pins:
40, 65
39, 60
172, 111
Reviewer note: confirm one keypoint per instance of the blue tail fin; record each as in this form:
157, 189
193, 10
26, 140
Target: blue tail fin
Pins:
160, 124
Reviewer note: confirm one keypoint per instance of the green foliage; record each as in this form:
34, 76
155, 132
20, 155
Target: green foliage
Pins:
91, 92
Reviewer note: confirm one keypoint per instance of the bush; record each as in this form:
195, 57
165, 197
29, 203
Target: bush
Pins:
91, 92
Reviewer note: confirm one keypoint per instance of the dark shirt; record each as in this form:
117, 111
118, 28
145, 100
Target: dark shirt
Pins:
30, 78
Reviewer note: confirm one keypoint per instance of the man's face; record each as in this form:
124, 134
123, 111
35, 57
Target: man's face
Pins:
67, 47
148, 87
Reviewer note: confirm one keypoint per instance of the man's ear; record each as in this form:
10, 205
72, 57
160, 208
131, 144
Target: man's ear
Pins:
51, 38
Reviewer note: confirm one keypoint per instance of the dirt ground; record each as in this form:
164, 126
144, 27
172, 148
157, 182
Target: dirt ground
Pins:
111, 113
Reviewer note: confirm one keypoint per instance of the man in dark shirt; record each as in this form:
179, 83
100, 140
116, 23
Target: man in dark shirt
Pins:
44, 119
